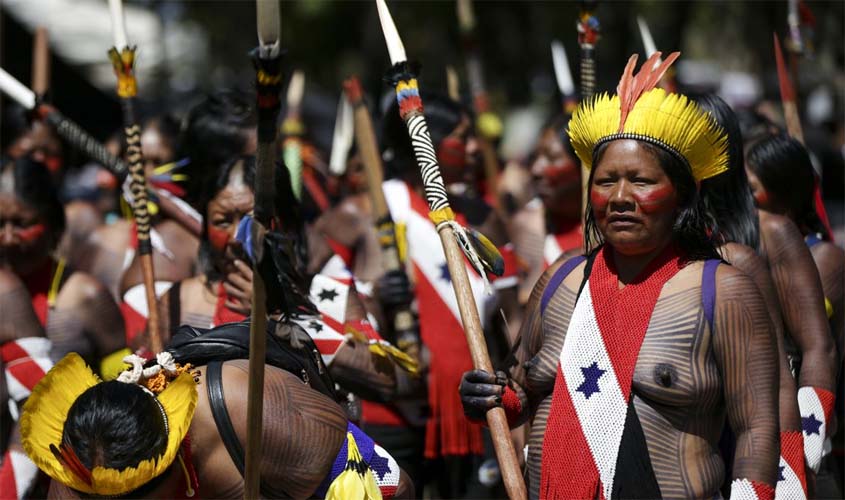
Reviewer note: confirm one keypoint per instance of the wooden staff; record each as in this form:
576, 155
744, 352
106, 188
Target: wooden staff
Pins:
403, 77
588, 35
268, 63
365, 138
40, 62
787, 96
123, 60
488, 124
793, 127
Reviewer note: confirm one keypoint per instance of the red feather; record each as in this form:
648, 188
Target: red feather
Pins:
631, 87
67, 456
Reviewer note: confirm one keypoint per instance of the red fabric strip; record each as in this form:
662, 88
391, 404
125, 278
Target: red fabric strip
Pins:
567, 466
223, 314
792, 450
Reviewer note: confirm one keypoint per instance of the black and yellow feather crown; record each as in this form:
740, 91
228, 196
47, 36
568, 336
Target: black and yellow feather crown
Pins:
643, 112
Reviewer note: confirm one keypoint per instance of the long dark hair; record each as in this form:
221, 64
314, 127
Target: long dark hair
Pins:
727, 196
213, 132
784, 169
689, 232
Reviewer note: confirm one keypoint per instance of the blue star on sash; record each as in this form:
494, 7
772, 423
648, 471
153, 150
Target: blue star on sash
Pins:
444, 273
379, 465
590, 385
780, 473
810, 425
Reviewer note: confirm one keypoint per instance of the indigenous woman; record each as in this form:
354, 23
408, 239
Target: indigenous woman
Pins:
632, 359
76, 311
549, 225
734, 227
782, 180
222, 292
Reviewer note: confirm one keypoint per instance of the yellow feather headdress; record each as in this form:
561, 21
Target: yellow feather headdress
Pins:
642, 112
46, 410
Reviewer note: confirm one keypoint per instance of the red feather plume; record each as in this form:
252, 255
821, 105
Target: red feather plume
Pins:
67, 456
631, 86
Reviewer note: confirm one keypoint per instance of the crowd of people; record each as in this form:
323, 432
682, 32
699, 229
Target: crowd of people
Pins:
673, 330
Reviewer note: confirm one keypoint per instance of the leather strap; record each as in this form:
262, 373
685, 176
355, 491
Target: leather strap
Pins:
214, 382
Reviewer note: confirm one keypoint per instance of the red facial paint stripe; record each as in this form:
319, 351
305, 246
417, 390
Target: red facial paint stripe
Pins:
657, 200
32, 233
218, 238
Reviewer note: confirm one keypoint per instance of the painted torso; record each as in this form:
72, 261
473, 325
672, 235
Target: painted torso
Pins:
676, 385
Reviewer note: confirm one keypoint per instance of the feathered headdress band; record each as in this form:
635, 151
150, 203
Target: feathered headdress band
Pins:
645, 113
45, 413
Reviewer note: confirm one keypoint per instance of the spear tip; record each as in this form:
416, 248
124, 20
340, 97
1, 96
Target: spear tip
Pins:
391, 36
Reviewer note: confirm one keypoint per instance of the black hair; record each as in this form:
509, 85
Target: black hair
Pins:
213, 132
115, 425
783, 167
727, 196
690, 228
442, 115
32, 184
15, 124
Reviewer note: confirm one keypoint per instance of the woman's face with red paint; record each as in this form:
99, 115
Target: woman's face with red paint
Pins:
24, 235
457, 153
633, 200
557, 177
762, 198
223, 215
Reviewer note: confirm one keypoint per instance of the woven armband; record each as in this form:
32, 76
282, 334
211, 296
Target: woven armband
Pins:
26, 361
512, 405
816, 406
792, 479
746, 489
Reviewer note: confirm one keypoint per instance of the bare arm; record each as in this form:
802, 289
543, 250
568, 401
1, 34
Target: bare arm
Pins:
99, 313
830, 261
18, 318
746, 354
801, 298
747, 261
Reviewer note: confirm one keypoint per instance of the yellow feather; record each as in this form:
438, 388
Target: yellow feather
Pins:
669, 118
350, 484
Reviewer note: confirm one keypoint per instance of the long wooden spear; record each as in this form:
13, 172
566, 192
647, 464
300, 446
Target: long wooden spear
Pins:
40, 62
407, 338
488, 125
793, 126
122, 56
268, 65
452, 236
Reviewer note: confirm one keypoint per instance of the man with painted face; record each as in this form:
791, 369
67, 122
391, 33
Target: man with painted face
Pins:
632, 358
76, 311
549, 225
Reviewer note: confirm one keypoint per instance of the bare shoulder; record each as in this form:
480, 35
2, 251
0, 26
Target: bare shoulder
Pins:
81, 288
176, 232
114, 237
733, 284
776, 228
303, 429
